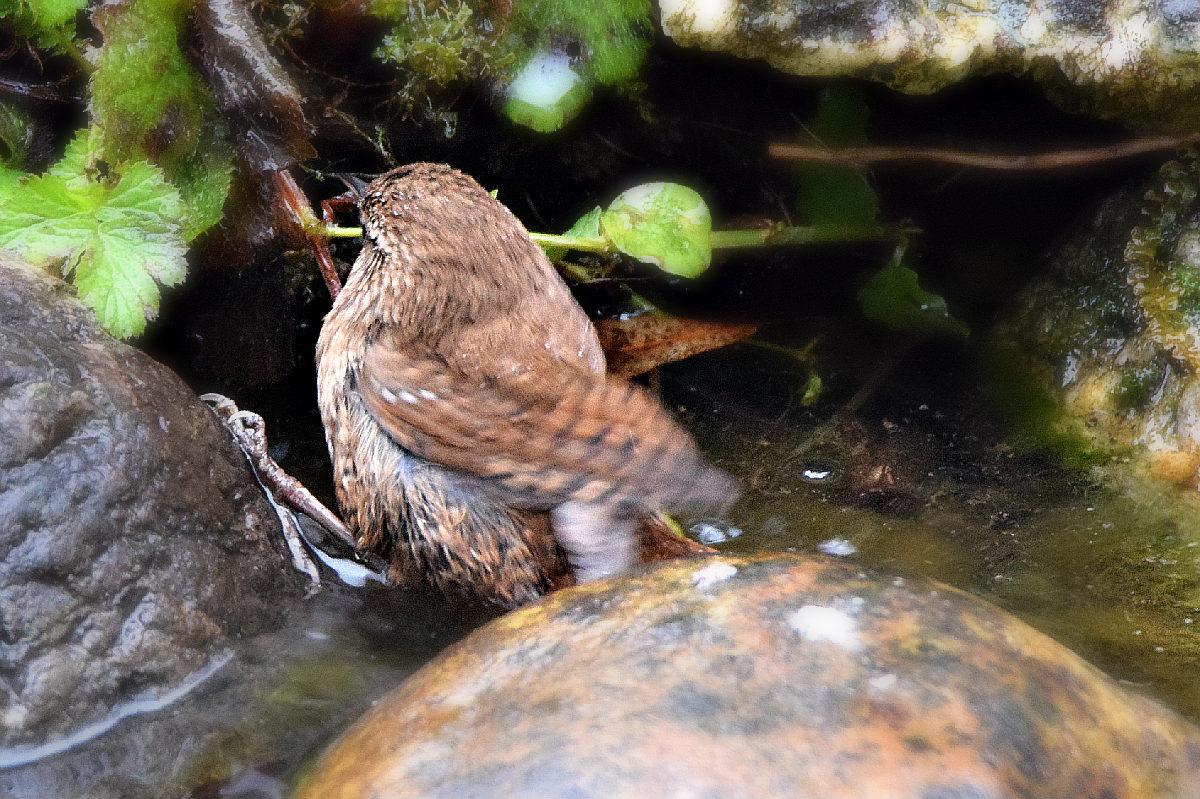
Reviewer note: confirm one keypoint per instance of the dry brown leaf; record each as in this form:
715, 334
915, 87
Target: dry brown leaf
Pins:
637, 344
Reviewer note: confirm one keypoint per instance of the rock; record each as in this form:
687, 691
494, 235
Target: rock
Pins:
1100, 356
135, 544
771, 676
1137, 60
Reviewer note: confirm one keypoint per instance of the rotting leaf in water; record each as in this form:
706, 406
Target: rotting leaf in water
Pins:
636, 344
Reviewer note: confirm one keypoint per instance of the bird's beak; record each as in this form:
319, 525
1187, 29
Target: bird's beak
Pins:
355, 184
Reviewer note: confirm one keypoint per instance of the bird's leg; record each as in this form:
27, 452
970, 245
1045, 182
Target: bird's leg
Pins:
599, 539
249, 431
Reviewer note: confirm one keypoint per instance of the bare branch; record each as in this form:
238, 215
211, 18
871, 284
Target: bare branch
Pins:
862, 156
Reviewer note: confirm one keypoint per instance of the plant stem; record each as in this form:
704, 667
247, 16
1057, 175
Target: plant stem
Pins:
338, 232
597, 245
720, 239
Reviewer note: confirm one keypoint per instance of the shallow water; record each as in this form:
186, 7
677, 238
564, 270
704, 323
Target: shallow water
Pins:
924, 480
919, 479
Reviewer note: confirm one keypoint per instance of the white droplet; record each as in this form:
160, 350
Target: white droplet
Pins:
544, 81
815, 474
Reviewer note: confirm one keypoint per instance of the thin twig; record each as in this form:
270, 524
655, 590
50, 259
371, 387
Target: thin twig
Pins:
862, 156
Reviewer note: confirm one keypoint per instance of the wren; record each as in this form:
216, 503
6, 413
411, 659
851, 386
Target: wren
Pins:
476, 441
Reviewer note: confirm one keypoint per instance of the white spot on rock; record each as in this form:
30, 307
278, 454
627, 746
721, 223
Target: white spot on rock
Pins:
839, 547
684, 17
883, 682
821, 623
713, 573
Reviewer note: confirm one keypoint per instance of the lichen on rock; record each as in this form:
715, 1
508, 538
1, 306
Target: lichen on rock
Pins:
1101, 356
1138, 61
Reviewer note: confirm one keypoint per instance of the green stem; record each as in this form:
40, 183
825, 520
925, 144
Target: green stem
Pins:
577, 272
336, 231
582, 274
802, 354
599, 245
719, 239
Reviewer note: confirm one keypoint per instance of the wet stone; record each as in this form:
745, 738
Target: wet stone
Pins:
791, 676
135, 545
1131, 60
1099, 357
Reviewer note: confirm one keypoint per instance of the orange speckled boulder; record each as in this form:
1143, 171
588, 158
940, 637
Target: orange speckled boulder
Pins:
774, 676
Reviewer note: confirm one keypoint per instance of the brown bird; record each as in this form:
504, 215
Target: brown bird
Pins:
474, 435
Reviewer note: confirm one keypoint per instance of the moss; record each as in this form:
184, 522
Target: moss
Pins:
441, 46
1042, 423
1135, 388
609, 38
438, 46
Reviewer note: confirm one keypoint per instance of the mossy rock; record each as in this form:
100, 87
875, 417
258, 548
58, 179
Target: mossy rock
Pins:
1135, 60
770, 676
1100, 357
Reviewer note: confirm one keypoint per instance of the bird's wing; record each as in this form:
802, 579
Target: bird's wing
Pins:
542, 436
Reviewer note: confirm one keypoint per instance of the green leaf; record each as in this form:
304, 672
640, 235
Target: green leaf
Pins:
585, 227
894, 297
16, 134
664, 224
834, 195
546, 94
116, 239
841, 118
10, 179
813, 386
55, 13
150, 105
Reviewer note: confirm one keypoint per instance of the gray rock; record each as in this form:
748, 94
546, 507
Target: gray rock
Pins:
135, 544
1138, 60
